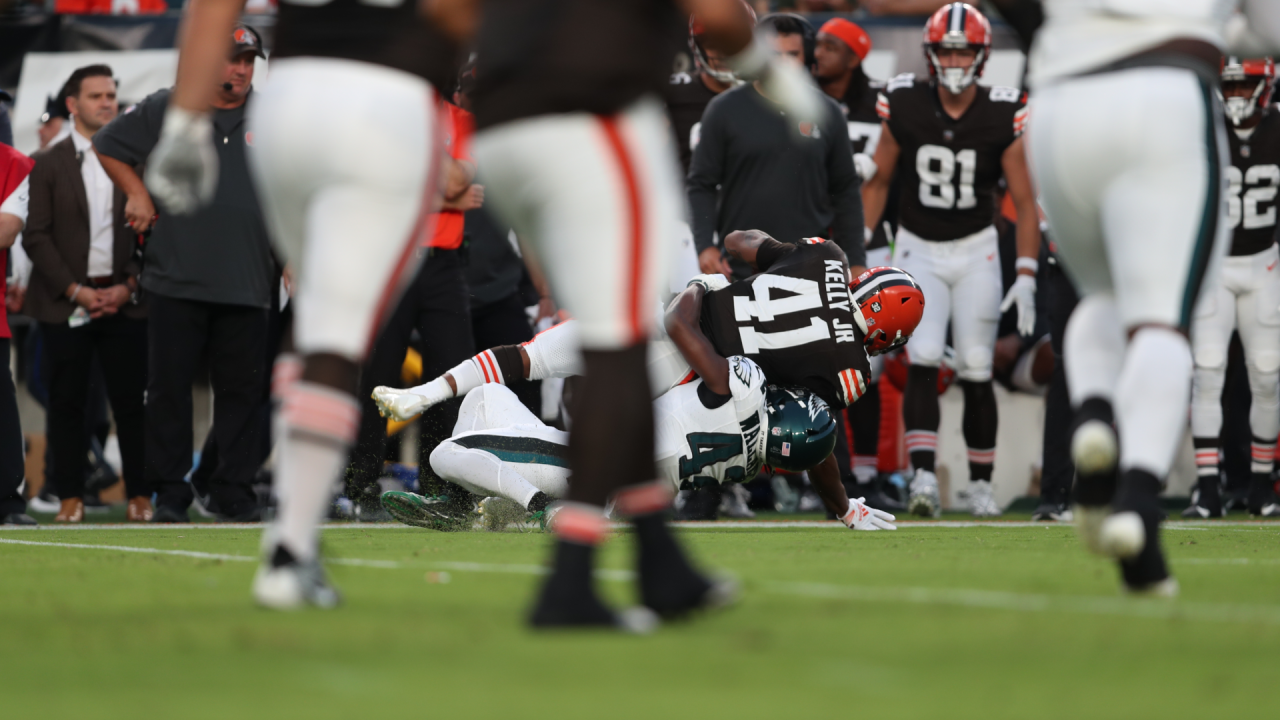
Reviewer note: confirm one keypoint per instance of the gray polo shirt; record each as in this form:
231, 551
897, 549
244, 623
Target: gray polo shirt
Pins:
221, 253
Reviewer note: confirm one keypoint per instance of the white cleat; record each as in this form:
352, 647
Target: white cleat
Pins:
925, 500
1166, 588
1094, 448
293, 586
397, 403
1122, 535
1089, 519
496, 513
982, 500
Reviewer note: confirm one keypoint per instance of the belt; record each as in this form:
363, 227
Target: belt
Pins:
101, 281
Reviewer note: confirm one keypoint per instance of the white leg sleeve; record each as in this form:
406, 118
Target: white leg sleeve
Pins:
490, 407
1210, 336
555, 352
1258, 321
515, 462
1151, 402
1093, 349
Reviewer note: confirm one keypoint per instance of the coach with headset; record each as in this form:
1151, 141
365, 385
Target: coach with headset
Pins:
755, 167
208, 278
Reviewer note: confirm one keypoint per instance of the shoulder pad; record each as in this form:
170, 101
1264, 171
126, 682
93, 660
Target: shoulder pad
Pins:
905, 80
999, 93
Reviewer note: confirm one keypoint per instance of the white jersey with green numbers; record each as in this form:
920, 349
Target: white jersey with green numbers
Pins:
700, 434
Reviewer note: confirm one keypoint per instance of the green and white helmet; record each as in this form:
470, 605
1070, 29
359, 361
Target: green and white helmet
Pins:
802, 431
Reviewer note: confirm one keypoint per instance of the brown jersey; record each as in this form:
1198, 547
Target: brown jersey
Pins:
1253, 179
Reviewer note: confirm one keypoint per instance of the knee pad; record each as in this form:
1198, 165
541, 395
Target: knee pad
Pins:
1264, 385
975, 366
1263, 363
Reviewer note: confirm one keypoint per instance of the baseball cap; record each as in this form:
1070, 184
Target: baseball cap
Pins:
850, 34
245, 39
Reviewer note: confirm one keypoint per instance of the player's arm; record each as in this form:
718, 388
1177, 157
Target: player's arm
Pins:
203, 38
682, 323
875, 192
139, 210
1021, 191
825, 478
755, 248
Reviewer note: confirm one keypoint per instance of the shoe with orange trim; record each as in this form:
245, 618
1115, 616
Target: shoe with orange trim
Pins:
71, 511
139, 510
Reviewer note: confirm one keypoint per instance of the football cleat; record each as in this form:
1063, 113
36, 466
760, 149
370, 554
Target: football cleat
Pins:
1052, 512
397, 403
925, 500
434, 513
496, 513
1262, 498
1206, 501
982, 500
285, 583
733, 503
1166, 588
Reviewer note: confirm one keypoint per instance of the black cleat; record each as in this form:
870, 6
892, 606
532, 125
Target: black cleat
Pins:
18, 519
1143, 568
669, 585
568, 598
166, 514
1052, 512
1206, 500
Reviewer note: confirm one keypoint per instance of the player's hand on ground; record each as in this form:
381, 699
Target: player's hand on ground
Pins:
1023, 294
861, 517
182, 172
711, 282
399, 404
711, 261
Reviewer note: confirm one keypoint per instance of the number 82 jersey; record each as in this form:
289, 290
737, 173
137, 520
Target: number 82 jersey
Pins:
1253, 179
949, 167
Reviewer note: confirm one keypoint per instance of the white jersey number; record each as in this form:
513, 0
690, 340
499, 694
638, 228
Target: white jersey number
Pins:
767, 308
864, 136
936, 190
1263, 181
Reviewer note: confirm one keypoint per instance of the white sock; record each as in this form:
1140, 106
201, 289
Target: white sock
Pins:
1093, 349
320, 425
1152, 399
555, 352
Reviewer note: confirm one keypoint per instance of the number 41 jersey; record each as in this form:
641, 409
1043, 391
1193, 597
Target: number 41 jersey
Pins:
795, 320
948, 167
698, 433
1253, 178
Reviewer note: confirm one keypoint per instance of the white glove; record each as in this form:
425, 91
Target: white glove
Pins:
1023, 292
403, 404
784, 82
182, 172
710, 282
861, 517
865, 166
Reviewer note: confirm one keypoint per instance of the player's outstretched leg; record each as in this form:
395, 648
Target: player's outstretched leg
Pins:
1152, 400
920, 415
319, 419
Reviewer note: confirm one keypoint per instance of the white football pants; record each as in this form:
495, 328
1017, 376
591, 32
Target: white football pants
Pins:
344, 189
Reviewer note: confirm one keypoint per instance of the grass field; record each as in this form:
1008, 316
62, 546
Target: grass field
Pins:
929, 621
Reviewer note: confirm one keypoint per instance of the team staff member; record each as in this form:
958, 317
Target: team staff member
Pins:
14, 193
438, 305
208, 278
82, 290
756, 167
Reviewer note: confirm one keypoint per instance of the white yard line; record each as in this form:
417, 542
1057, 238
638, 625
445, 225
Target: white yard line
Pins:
692, 525
956, 597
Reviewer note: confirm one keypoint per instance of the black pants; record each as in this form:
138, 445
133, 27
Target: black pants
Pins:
120, 344
1058, 473
233, 337
12, 465
437, 305
505, 323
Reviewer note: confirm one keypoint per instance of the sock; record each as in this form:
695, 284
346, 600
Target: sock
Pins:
580, 524
920, 415
1153, 396
555, 352
668, 583
612, 439
1206, 456
1263, 453
320, 425
980, 424
1093, 349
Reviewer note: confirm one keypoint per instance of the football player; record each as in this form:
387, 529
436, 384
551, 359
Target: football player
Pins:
345, 191
1129, 148
1246, 296
687, 94
723, 426
839, 52
796, 319
577, 156
950, 141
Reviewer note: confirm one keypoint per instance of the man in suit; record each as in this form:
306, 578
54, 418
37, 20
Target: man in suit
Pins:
83, 292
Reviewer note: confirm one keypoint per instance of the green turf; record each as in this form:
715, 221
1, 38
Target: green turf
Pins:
866, 625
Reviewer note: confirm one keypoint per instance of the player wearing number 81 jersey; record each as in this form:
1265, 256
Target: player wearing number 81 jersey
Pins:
949, 141
1246, 295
